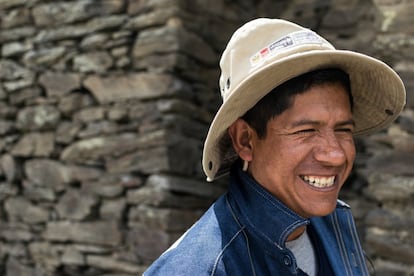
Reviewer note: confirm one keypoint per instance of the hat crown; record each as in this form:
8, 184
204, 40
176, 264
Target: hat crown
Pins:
260, 42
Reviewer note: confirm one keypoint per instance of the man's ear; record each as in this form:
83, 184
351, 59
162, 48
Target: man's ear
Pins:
241, 136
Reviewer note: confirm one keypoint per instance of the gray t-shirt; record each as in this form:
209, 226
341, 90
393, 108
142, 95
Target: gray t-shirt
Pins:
304, 253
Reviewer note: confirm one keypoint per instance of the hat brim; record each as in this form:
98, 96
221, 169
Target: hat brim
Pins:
378, 95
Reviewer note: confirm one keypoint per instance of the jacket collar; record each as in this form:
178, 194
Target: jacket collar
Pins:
261, 212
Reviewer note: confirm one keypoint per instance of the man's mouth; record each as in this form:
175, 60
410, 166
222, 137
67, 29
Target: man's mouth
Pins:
319, 181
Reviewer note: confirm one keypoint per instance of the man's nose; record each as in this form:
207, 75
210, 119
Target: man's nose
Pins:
329, 150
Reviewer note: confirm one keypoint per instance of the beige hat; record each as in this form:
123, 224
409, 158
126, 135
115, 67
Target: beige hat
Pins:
264, 53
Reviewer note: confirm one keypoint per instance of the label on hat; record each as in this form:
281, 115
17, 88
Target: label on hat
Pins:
291, 40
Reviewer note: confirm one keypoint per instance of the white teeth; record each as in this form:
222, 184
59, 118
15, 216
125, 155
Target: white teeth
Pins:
319, 182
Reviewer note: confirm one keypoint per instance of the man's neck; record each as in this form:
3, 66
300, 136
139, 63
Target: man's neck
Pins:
297, 233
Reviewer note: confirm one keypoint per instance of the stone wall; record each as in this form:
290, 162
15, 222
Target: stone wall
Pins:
104, 108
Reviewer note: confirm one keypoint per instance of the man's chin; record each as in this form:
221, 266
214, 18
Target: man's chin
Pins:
321, 212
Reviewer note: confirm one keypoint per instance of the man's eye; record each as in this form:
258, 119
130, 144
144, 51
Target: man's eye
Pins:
306, 131
345, 130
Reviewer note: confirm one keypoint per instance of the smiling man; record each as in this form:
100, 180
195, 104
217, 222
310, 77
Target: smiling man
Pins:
292, 105
303, 155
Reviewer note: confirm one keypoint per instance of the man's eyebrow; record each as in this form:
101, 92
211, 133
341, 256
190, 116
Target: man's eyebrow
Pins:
304, 122
346, 123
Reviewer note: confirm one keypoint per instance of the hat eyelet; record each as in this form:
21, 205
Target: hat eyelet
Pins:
228, 83
389, 112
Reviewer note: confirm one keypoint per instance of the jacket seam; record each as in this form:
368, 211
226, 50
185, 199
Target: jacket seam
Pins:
358, 248
244, 234
340, 242
222, 252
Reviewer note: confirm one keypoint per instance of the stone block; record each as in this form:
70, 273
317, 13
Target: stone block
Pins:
139, 162
392, 268
75, 205
7, 111
396, 16
15, 250
52, 14
96, 62
35, 144
25, 95
165, 149
11, 168
92, 249
46, 254
71, 256
173, 38
42, 117
96, 233
187, 110
386, 187
79, 30
7, 190
101, 128
69, 32
74, 102
16, 267
139, 6
389, 219
113, 209
16, 85
16, 232
45, 56
169, 220
20, 209
83, 173
94, 41
389, 245
3, 94
183, 185
157, 17
16, 33
47, 173
90, 114
148, 243
15, 48
110, 263
11, 70
59, 84
39, 194
67, 131
16, 17
132, 86
103, 189
93, 150
166, 199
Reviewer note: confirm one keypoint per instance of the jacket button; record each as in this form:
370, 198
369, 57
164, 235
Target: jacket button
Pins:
287, 260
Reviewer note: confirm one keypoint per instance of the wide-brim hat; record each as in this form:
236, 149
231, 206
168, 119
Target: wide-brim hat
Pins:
265, 53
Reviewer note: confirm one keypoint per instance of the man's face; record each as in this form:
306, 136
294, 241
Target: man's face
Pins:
308, 151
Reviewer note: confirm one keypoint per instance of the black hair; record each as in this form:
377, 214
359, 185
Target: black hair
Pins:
281, 97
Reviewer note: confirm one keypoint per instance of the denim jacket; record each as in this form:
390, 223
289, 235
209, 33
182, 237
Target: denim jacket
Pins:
244, 233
